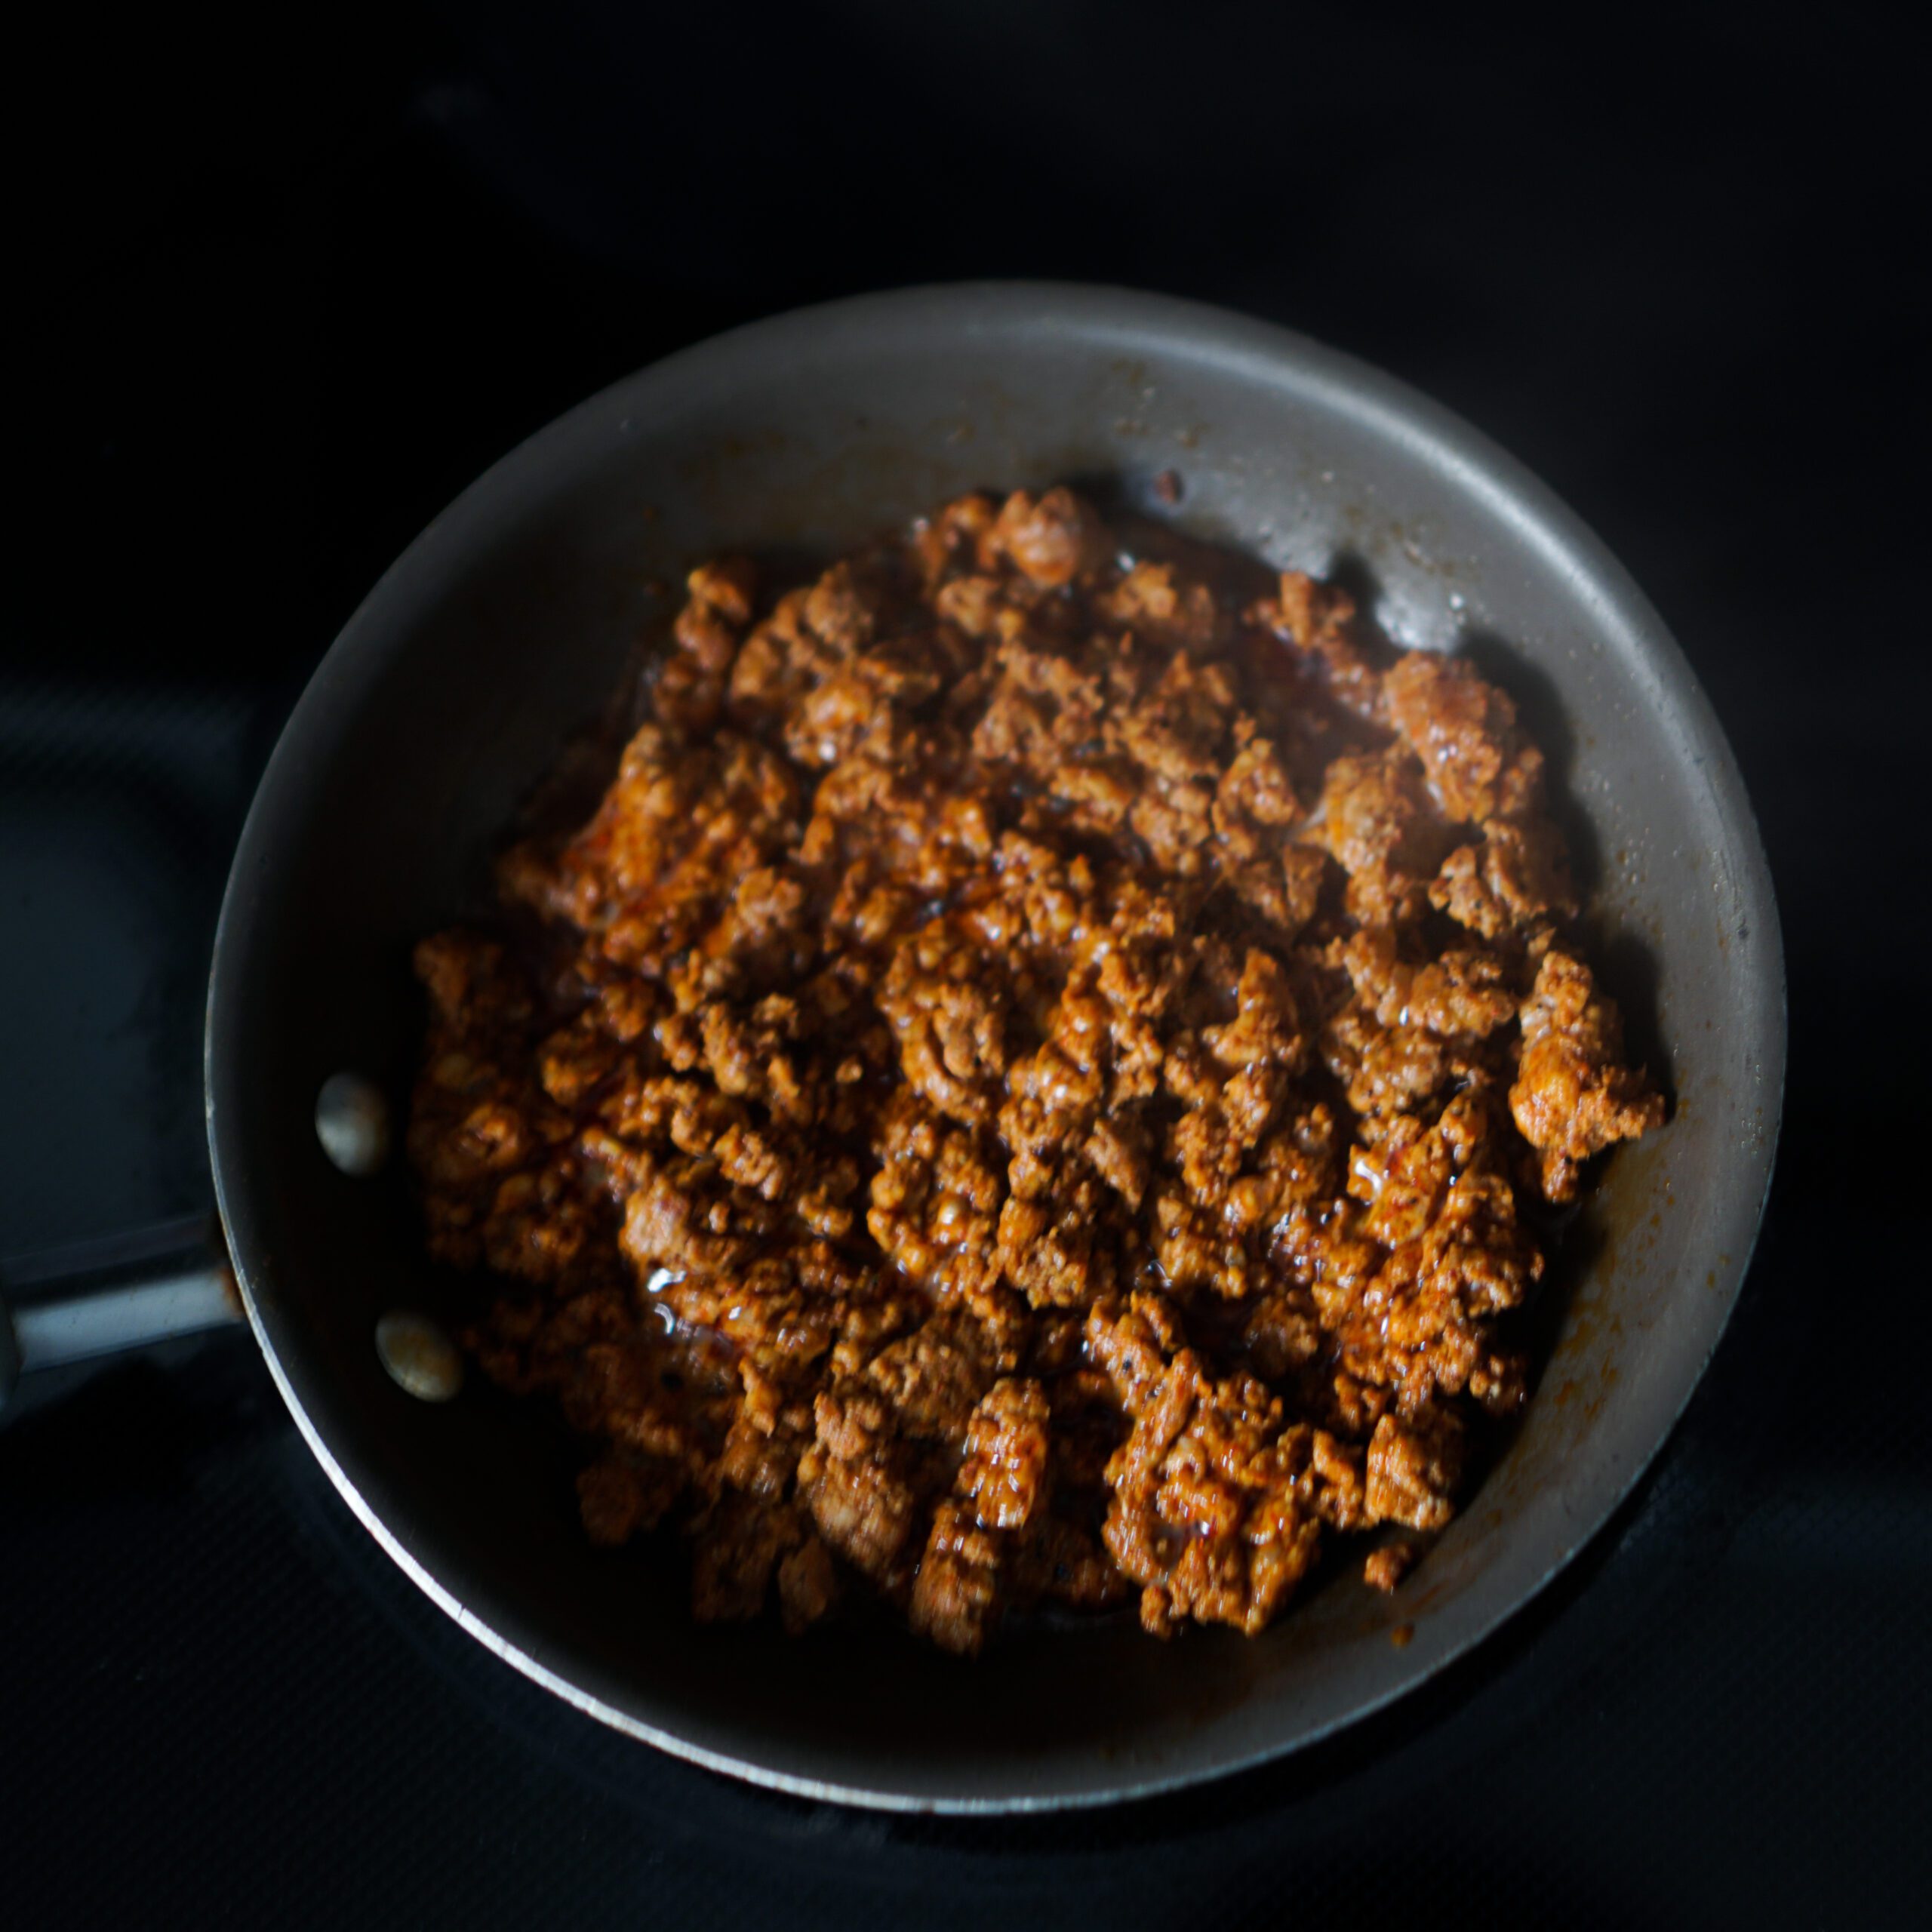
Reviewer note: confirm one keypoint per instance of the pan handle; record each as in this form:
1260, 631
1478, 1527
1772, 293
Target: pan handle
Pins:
106, 1297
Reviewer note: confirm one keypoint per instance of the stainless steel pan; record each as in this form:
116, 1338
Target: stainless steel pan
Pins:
505, 626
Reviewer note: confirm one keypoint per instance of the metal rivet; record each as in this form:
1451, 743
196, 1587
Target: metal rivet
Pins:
353, 1124
419, 1357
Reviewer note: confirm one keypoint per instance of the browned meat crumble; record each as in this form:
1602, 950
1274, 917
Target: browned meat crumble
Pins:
1027, 1089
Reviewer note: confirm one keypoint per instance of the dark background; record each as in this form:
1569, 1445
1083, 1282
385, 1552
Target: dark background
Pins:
290, 280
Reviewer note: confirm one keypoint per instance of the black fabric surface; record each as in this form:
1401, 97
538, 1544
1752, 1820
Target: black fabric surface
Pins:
288, 286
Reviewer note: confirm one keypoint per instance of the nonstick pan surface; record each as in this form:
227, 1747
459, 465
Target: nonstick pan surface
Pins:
506, 626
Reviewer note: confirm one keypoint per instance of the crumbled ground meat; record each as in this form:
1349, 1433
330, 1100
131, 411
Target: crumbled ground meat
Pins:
1573, 1095
1035, 1086
1384, 1569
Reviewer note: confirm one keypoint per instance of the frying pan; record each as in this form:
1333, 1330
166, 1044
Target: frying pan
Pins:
505, 626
